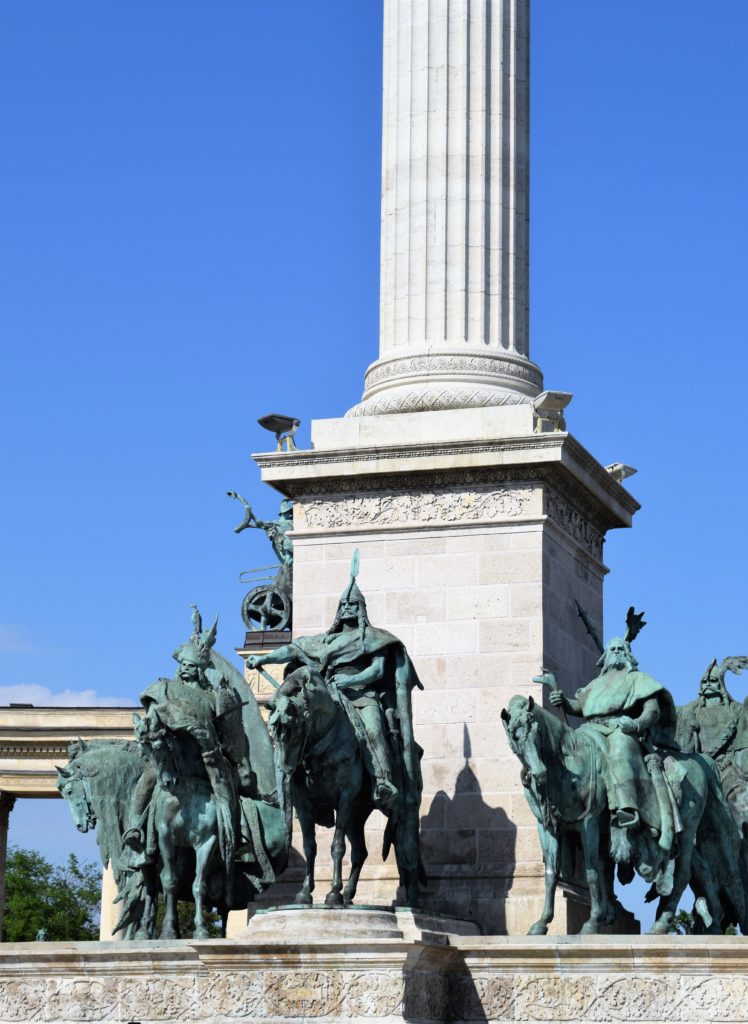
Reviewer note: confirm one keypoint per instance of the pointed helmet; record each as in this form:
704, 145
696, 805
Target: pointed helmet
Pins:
197, 650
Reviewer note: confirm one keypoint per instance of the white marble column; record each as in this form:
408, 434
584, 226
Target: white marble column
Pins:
455, 181
7, 803
110, 911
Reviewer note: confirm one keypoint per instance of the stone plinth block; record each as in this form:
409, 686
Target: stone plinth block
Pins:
439, 978
476, 539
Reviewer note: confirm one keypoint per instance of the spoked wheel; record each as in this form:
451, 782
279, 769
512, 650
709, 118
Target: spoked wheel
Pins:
266, 608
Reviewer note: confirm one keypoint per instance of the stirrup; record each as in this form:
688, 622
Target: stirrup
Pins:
135, 839
385, 794
627, 817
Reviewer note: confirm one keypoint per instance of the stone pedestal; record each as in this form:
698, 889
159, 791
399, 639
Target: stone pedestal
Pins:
441, 978
476, 537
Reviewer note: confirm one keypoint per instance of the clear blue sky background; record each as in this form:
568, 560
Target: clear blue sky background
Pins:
189, 218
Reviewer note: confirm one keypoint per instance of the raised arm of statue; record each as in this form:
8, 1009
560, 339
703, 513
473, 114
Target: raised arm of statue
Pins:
280, 656
250, 520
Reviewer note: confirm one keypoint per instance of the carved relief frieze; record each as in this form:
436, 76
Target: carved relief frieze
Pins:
403, 508
580, 525
359, 993
23, 1000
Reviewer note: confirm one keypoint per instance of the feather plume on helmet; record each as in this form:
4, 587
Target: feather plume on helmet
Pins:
712, 683
197, 650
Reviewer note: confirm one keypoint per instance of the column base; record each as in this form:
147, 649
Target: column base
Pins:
453, 379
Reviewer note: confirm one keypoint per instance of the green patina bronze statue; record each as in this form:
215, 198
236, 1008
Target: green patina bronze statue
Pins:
191, 809
716, 724
621, 786
343, 729
634, 715
269, 604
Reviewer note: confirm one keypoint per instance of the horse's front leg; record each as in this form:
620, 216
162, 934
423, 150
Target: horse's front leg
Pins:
668, 905
334, 897
203, 854
590, 835
359, 853
305, 815
170, 925
549, 845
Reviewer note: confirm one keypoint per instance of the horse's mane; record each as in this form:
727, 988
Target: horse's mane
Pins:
112, 783
289, 688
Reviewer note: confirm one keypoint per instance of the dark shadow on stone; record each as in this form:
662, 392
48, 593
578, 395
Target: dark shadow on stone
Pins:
440, 988
469, 853
284, 889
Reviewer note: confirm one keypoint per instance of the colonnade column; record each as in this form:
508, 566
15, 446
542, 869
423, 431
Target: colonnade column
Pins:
7, 803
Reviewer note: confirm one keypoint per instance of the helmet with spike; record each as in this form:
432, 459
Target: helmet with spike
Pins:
197, 649
352, 604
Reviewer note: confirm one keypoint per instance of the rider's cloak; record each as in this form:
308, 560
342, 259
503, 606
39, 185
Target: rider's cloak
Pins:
620, 692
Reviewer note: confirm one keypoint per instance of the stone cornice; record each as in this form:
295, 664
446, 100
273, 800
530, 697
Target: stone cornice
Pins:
33, 739
557, 457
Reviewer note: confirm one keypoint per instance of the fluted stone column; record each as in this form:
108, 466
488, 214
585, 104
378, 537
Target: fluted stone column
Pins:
455, 182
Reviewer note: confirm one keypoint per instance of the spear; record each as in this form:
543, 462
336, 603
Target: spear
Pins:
589, 627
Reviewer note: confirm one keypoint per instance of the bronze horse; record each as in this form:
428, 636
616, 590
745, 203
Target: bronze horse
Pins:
561, 772
322, 772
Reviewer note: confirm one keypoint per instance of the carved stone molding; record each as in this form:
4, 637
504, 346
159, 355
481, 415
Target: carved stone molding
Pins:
580, 525
454, 366
334, 992
457, 479
448, 505
435, 399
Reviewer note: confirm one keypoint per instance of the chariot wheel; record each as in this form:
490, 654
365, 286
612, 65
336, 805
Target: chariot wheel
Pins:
266, 608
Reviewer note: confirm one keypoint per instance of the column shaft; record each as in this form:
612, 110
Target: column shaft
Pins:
455, 220
6, 806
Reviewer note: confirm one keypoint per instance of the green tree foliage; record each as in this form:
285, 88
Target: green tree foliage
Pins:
682, 923
63, 899
186, 915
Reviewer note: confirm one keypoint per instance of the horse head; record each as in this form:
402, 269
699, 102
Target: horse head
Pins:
73, 784
154, 740
288, 724
523, 732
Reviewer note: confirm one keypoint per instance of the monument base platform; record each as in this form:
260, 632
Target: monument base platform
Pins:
437, 977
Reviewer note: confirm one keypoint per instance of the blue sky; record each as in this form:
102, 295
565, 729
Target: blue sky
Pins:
189, 217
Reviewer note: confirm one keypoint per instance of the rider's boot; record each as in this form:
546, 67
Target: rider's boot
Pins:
219, 774
623, 803
385, 794
135, 837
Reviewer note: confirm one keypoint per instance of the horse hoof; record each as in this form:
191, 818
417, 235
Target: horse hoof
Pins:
591, 928
538, 929
334, 899
168, 933
303, 898
201, 933
660, 928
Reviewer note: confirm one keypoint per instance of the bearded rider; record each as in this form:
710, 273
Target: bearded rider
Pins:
717, 725
361, 662
635, 714
188, 703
